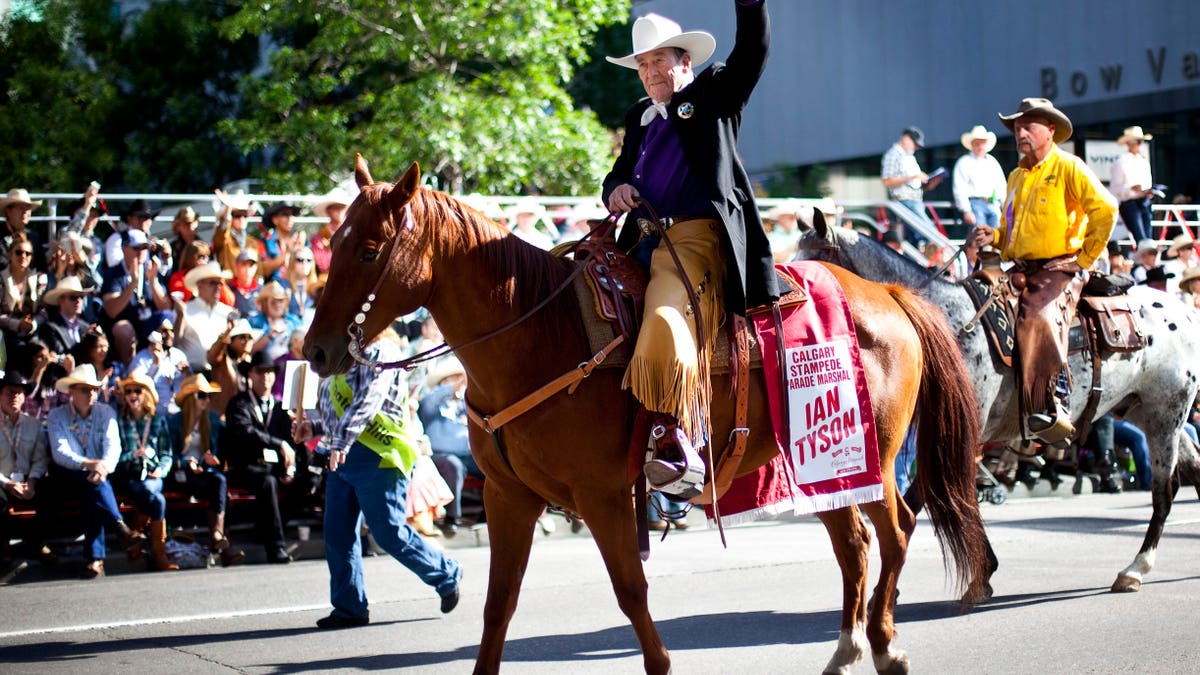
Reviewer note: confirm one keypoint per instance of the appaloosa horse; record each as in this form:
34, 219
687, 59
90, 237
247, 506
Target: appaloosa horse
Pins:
403, 247
1153, 388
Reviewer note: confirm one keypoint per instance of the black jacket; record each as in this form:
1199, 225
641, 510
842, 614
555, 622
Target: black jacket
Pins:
245, 437
709, 137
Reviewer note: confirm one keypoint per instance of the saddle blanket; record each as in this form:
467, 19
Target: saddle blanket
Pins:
832, 456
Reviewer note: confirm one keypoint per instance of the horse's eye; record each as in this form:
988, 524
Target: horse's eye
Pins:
369, 255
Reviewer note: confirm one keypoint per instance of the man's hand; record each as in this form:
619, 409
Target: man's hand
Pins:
289, 463
1067, 263
211, 459
624, 199
302, 431
336, 459
981, 236
969, 218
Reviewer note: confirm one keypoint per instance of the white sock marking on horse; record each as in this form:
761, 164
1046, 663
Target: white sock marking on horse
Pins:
886, 662
852, 647
1141, 565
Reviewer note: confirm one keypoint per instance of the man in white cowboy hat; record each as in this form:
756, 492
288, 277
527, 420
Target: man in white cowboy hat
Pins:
979, 182
230, 350
66, 317
201, 321
332, 206
230, 236
85, 441
1189, 290
1056, 222
525, 216
1132, 184
17, 209
133, 290
1180, 255
680, 157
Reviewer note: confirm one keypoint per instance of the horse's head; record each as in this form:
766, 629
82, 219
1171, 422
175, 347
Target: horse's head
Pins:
378, 245
821, 243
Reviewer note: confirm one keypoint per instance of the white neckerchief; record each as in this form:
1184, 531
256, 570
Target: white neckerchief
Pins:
654, 110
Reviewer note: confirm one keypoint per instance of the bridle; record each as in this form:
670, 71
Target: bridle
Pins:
357, 346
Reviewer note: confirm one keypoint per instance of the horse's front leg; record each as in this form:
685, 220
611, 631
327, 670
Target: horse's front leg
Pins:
851, 543
1163, 490
611, 520
511, 511
894, 524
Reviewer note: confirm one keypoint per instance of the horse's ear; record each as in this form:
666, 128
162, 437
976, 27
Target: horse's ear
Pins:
818, 223
406, 186
362, 175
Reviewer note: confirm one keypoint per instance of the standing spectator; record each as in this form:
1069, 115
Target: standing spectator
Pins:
131, 290
225, 359
443, 412
282, 239
24, 462
137, 216
145, 461
257, 447
184, 228
245, 284
979, 182
1157, 278
273, 321
333, 207
230, 236
196, 430
902, 175
300, 277
194, 255
202, 320
368, 479
86, 443
18, 208
165, 365
1130, 181
66, 320
20, 288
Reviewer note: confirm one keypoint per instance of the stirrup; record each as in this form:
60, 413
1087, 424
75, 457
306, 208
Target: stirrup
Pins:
683, 479
1048, 429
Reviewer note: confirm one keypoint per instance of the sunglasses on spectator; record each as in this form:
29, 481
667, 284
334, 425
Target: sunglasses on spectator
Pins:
239, 214
72, 298
133, 392
22, 253
202, 395
304, 260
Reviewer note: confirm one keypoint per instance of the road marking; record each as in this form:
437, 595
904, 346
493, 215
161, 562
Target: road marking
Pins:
167, 619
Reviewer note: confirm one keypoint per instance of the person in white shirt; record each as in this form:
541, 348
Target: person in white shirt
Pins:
526, 215
204, 317
165, 365
1131, 183
979, 182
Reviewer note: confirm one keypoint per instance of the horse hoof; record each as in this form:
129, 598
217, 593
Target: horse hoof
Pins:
892, 663
978, 595
1126, 584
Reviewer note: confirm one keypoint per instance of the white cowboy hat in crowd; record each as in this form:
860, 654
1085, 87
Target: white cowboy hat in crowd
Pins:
1147, 246
787, 207
655, 32
444, 368
335, 197
527, 205
85, 374
18, 196
1180, 242
242, 327
1133, 134
235, 202
979, 132
70, 284
209, 270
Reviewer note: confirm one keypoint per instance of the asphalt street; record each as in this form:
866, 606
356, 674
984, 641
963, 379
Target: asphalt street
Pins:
769, 603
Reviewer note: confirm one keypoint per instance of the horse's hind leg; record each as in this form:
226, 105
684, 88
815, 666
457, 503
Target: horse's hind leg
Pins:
611, 520
1164, 448
894, 524
851, 543
512, 510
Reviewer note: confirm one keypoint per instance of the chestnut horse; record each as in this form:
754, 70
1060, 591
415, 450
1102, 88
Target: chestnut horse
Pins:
403, 247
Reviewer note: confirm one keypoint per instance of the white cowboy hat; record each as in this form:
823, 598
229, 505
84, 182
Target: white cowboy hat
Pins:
18, 196
242, 327
444, 368
527, 205
335, 197
979, 132
209, 270
70, 284
1041, 107
1180, 242
235, 202
1147, 246
786, 207
85, 374
655, 32
1133, 134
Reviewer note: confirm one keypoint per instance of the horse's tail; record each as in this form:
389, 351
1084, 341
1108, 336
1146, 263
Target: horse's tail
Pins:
947, 440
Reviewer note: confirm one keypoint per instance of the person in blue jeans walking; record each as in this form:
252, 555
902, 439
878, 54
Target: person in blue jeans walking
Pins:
366, 431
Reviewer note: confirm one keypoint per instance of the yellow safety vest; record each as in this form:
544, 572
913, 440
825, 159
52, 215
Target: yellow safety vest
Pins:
385, 436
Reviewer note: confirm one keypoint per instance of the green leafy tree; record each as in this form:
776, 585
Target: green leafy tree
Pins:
471, 89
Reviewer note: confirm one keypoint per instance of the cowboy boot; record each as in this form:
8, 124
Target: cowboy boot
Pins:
131, 542
675, 468
220, 543
1106, 468
158, 545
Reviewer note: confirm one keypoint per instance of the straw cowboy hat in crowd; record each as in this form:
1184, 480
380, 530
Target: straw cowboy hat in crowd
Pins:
444, 368
1189, 275
979, 133
85, 374
194, 384
1040, 107
70, 284
1133, 134
235, 202
655, 32
1179, 243
335, 197
147, 385
271, 290
18, 196
209, 270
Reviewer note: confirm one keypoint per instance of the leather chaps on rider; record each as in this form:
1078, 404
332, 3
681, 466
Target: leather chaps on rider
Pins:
1046, 308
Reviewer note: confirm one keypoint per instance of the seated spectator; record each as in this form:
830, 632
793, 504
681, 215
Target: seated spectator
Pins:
184, 227
273, 322
145, 461
300, 277
86, 443
1144, 259
1188, 288
526, 214
131, 290
92, 350
196, 429
230, 236
42, 370
202, 320
165, 365
443, 412
245, 284
24, 462
66, 321
282, 239
123, 347
20, 288
195, 254
225, 357
295, 352
257, 447
1157, 277
16, 209
333, 207
137, 216
1180, 255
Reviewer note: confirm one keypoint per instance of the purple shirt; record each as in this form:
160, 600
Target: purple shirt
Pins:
662, 176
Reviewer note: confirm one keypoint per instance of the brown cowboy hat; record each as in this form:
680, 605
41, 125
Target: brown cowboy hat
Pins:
1041, 107
194, 384
141, 380
1189, 275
